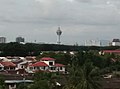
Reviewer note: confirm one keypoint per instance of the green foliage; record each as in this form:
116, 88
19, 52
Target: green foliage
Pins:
41, 84
63, 58
42, 76
22, 86
43, 80
2, 83
83, 77
16, 49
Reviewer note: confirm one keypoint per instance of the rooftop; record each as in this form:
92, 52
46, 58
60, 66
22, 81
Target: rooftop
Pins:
47, 59
8, 64
111, 51
37, 64
116, 40
59, 65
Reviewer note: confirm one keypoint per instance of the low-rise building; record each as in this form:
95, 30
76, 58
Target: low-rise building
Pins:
46, 64
116, 42
110, 52
7, 66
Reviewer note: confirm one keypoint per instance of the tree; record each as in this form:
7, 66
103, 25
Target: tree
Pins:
83, 77
41, 84
44, 80
2, 83
22, 86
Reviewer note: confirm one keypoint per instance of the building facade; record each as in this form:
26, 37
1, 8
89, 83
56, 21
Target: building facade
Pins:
115, 42
92, 43
46, 64
2, 39
20, 39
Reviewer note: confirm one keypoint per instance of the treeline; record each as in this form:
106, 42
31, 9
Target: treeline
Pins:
16, 49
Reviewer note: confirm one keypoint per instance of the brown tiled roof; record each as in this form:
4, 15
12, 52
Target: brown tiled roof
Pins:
47, 59
111, 51
8, 64
59, 65
37, 64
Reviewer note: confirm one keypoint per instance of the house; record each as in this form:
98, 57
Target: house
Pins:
1, 67
60, 67
38, 66
50, 62
30, 58
46, 64
4, 59
111, 51
22, 65
7, 66
12, 84
12, 81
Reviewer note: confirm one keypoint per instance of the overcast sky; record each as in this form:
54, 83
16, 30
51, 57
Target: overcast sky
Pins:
79, 20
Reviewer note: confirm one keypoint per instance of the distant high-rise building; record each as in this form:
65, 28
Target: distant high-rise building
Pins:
116, 42
20, 39
104, 42
2, 39
92, 43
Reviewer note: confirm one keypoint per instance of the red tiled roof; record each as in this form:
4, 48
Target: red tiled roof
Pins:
111, 51
47, 59
37, 64
7, 64
59, 65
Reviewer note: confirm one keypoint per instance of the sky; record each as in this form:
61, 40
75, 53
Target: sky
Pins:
79, 20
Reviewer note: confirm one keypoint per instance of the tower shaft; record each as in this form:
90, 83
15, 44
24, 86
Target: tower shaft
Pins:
58, 39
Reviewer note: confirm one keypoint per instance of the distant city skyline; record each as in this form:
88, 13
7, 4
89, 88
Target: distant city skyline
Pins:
80, 20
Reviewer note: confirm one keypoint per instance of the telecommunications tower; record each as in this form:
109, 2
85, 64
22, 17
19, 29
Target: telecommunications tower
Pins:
59, 32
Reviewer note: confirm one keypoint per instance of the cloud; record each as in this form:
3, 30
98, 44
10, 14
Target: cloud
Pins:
85, 1
78, 18
61, 11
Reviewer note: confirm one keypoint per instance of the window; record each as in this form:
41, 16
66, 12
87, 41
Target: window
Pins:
1, 68
50, 63
12, 68
22, 66
37, 68
12, 85
31, 68
52, 68
61, 68
43, 68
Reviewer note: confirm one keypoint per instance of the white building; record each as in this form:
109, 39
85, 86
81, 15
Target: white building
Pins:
2, 39
20, 40
115, 42
104, 42
92, 43
46, 64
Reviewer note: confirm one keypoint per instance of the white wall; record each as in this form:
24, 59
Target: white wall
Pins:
61, 70
115, 43
47, 62
2, 67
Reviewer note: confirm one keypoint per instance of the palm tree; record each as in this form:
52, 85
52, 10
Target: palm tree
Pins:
89, 77
83, 77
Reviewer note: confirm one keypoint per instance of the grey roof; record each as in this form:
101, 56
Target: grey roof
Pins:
18, 81
116, 40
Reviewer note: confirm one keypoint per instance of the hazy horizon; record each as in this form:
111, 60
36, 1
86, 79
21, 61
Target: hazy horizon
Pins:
79, 20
